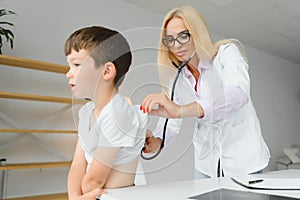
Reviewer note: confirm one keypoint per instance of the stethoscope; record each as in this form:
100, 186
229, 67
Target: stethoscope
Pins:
179, 68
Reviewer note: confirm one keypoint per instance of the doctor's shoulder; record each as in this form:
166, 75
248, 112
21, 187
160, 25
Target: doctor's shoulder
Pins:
230, 53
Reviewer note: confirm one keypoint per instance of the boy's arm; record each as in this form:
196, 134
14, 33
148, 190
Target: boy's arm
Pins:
76, 173
100, 169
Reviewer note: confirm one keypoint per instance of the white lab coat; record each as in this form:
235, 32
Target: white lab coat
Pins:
235, 138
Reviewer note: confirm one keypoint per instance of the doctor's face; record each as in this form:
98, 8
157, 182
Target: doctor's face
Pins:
83, 75
183, 44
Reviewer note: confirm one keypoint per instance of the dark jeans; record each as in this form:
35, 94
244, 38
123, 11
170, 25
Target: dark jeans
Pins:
218, 172
199, 175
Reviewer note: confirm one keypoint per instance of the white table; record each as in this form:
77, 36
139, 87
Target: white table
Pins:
184, 189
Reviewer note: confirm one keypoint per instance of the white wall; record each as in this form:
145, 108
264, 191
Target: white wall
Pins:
41, 28
275, 83
298, 118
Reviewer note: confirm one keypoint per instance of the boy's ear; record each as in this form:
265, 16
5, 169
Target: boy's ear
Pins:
109, 71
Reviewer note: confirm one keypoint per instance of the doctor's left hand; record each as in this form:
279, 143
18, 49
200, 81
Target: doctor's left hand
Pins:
152, 143
166, 108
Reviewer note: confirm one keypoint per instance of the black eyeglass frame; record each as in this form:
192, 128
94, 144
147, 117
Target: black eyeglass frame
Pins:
185, 32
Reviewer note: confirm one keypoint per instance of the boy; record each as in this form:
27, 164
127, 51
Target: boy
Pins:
111, 131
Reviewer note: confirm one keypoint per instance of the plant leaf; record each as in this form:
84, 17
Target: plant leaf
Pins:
0, 44
7, 23
10, 33
12, 12
11, 43
5, 12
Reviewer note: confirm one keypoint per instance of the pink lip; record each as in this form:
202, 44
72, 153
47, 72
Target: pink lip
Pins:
72, 86
180, 53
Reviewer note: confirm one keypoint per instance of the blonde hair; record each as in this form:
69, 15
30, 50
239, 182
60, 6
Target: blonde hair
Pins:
206, 48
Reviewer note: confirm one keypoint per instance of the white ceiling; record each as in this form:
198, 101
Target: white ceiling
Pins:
270, 25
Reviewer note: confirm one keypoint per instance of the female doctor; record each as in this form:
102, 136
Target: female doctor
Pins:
213, 87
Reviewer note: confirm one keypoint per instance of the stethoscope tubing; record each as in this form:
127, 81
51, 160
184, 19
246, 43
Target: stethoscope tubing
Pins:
179, 68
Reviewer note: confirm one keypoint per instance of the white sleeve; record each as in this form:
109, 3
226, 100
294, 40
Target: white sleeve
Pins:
235, 84
234, 68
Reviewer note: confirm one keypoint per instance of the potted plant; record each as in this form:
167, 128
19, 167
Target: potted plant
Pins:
5, 33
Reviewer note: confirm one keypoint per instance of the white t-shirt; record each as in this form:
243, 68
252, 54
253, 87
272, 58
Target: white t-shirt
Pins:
119, 125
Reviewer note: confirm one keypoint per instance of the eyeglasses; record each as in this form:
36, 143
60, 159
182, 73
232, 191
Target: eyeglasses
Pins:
182, 38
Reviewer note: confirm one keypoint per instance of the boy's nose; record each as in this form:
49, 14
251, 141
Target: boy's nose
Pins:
69, 74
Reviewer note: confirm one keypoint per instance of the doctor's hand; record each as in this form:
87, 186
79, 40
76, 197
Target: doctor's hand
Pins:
152, 143
166, 107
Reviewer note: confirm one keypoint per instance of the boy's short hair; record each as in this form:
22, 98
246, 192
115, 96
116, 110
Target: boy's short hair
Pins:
104, 45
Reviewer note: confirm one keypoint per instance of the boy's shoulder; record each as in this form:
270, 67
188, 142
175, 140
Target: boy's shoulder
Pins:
122, 123
86, 108
121, 108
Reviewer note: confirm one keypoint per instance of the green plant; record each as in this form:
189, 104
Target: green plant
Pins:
4, 32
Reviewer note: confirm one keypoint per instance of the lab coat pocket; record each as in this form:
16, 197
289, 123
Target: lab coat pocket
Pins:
243, 138
201, 131
237, 121
206, 138
238, 117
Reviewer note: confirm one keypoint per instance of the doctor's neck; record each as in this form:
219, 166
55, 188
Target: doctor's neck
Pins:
194, 62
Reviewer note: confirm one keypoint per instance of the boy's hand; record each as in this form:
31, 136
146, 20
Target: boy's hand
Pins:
92, 195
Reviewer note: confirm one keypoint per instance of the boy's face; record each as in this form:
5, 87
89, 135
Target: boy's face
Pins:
83, 75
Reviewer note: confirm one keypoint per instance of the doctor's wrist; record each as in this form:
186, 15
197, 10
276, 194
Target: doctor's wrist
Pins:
179, 112
191, 110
